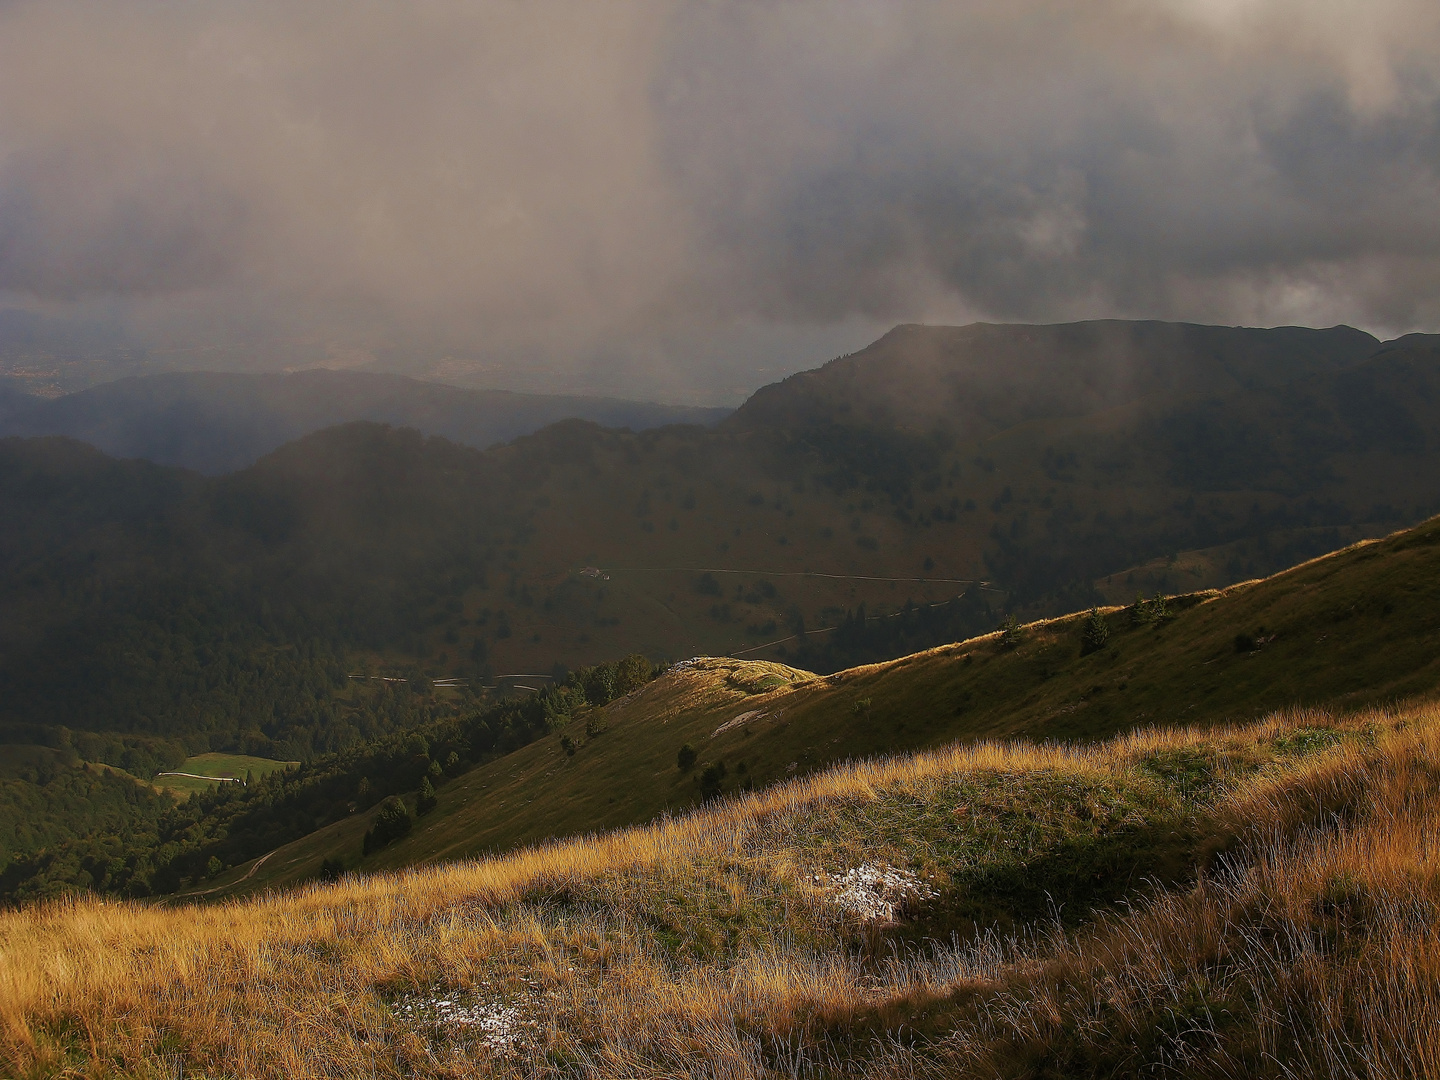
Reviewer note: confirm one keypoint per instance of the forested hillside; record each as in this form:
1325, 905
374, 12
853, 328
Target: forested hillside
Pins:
230, 611
149, 613
1353, 630
68, 824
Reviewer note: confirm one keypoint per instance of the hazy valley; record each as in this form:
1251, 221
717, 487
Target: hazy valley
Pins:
837, 725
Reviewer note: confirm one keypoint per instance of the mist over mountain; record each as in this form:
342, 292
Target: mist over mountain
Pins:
974, 381
217, 422
814, 525
702, 198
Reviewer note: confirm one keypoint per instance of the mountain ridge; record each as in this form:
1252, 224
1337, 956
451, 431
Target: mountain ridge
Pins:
985, 377
219, 422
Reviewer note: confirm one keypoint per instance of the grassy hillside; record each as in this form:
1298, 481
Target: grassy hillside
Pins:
1251, 900
1354, 629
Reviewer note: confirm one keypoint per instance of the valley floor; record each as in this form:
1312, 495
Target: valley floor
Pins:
1260, 901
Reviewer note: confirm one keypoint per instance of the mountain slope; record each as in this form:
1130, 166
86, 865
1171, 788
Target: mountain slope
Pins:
125, 584
1356, 628
975, 381
1254, 901
218, 422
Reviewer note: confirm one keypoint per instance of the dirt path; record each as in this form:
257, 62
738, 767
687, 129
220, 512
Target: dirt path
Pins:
197, 776
206, 892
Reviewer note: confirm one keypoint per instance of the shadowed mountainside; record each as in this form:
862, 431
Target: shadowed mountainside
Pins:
1351, 630
155, 601
975, 381
609, 747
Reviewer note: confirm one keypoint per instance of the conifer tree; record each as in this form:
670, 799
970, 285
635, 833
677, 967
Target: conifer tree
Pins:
426, 802
1096, 633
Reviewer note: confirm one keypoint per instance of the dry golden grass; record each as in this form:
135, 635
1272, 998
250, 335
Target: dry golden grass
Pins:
1309, 944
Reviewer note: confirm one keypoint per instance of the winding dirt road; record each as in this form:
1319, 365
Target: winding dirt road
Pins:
206, 892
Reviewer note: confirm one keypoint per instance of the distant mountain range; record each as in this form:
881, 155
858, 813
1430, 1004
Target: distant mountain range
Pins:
218, 422
915, 492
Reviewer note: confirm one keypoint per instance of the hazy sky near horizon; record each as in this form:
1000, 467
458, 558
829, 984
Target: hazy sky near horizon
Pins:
682, 200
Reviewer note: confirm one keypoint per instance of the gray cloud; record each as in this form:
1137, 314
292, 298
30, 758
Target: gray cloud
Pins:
688, 195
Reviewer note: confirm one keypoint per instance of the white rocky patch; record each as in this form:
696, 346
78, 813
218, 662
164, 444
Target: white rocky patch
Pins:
873, 892
741, 720
499, 1026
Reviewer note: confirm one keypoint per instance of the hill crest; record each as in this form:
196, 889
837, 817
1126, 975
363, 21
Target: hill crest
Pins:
219, 422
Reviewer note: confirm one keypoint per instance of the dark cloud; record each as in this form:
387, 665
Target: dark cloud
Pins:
686, 195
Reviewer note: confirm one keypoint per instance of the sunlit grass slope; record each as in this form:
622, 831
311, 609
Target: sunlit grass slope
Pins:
951, 914
1356, 628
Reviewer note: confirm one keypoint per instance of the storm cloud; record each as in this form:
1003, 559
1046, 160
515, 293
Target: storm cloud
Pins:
682, 195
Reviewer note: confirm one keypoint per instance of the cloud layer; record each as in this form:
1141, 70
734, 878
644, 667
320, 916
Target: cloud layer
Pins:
689, 193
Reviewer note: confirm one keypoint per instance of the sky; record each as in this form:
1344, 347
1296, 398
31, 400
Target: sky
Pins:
684, 200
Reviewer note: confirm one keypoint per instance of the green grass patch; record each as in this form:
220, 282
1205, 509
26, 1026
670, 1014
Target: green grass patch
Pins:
1002, 848
222, 766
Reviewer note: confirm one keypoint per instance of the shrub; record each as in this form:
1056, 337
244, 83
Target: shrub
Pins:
426, 802
567, 744
1095, 634
392, 821
599, 685
686, 758
596, 724
332, 870
711, 778
1149, 612
1010, 632
632, 673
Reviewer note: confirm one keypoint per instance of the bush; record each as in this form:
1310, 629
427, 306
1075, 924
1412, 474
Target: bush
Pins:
1010, 632
596, 724
1149, 612
599, 685
711, 778
567, 744
332, 870
426, 802
686, 758
632, 673
392, 821
1095, 634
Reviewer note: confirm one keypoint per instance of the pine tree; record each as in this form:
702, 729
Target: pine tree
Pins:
1010, 632
1096, 633
427, 800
